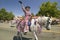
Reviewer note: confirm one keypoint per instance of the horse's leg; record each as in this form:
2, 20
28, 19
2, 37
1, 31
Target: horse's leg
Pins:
17, 34
35, 35
21, 35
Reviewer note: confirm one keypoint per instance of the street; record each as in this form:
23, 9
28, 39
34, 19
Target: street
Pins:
9, 33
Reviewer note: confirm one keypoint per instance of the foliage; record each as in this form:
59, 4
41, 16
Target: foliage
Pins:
50, 9
4, 15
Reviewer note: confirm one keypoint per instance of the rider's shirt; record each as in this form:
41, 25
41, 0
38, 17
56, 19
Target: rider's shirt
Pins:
27, 13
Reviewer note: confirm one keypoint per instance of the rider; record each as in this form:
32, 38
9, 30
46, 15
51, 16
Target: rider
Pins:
27, 12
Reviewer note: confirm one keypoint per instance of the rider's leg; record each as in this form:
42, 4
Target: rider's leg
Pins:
26, 29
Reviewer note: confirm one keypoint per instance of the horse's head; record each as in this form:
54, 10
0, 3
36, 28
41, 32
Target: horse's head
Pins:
46, 21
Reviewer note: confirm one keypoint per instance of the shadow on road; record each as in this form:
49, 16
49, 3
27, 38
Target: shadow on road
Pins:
23, 38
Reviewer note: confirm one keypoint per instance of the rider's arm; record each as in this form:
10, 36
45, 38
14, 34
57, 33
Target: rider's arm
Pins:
23, 8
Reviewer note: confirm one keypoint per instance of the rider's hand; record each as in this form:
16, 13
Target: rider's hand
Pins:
20, 2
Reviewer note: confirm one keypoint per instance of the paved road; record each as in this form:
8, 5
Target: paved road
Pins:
53, 34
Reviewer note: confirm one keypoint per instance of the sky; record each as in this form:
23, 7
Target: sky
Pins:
15, 7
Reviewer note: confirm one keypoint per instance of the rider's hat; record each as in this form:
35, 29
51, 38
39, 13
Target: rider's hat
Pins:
27, 7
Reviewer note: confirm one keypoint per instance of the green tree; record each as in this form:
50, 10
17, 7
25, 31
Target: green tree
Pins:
4, 15
10, 16
49, 8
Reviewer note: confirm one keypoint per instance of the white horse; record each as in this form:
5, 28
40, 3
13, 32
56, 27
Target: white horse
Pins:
40, 22
45, 21
36, 27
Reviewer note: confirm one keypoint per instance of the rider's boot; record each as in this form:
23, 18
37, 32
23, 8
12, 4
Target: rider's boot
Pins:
25, 33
